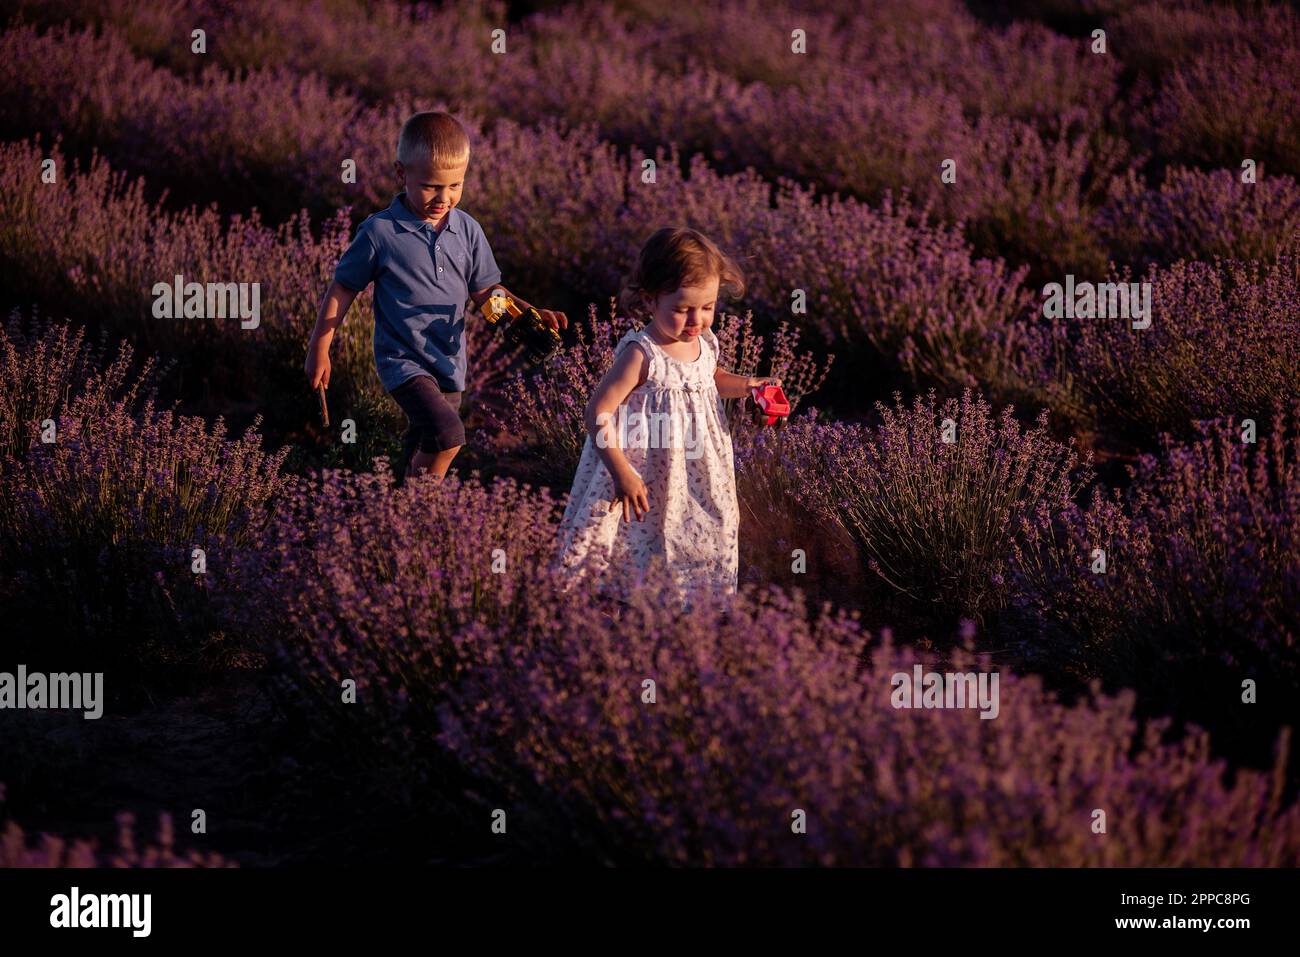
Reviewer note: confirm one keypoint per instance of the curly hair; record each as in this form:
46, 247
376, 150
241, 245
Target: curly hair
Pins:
677, 256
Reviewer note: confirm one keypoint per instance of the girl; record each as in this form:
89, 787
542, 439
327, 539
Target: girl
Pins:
658, 443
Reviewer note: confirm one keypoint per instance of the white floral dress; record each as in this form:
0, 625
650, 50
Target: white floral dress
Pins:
682, 451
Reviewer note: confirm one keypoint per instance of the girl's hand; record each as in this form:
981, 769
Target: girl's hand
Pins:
632, 493
756, 381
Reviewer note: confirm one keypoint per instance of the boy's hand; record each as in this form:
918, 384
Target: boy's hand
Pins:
556, 320
632, 493
317, 366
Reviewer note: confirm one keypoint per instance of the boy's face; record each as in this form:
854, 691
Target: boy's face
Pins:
431, 193
686, 313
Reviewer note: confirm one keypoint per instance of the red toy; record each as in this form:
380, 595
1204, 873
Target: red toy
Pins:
770, 404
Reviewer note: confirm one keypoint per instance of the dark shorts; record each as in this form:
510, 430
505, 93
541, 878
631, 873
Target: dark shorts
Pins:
433, 416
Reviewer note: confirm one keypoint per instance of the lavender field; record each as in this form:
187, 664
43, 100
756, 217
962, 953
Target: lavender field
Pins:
990, 469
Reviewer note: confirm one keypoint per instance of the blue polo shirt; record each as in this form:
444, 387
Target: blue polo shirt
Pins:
422, 279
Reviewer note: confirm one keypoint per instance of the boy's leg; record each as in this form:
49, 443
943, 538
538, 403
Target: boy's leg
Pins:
410, 445
437, 462
436, 433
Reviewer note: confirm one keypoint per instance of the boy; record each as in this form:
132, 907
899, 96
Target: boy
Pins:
426, 258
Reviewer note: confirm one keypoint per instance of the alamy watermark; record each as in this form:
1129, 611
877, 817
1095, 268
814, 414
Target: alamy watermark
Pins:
653, 430
75, 910
213, 300
82, 691
1103, 300
946, 689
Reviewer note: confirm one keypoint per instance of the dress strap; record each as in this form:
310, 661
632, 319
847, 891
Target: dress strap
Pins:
709, 340
671, 371
654, 355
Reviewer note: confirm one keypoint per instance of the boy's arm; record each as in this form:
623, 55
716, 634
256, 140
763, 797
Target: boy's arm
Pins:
480, 297
333, 309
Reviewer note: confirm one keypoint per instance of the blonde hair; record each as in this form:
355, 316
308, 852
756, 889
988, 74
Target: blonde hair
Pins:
677, 256
436, 137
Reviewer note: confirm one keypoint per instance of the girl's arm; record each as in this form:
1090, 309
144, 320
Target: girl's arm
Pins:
732, 386
601, 418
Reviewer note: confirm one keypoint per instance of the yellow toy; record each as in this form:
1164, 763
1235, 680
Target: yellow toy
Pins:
527, 329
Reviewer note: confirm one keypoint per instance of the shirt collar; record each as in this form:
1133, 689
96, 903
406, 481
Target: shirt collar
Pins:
410, 222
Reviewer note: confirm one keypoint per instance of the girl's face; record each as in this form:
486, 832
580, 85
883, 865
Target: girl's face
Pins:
685, 314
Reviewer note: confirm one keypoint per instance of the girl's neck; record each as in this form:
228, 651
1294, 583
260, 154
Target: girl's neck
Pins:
677, 348
657, 336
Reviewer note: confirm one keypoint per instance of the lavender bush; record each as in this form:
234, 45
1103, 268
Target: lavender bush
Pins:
912, 288
1223, 339
356, 43
375, 583
111, 511
1234, 100
937, 45
46, 365
761, 709
1029, 186
935, 521
109, 99
1202, 568
741, 350
53, 850
1200, 215
1158, 37
103, 260
778, 519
